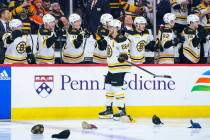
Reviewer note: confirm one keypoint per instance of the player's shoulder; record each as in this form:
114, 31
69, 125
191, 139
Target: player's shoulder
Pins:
44, 31
166, 29
121, 38
188, 30
72, 31
102, 31
146, 32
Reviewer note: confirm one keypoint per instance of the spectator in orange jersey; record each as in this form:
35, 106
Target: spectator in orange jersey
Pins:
37, 11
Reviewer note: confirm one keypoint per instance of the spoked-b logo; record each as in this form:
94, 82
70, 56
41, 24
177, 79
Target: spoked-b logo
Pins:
43, 85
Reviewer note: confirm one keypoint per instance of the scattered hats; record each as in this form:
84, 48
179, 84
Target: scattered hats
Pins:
156, 120
86, 125
127, 119
62, 135
194, 125
37, 129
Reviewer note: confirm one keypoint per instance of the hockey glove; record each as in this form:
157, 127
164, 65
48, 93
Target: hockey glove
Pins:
78, 41
59, 33
30, 56
122, 57
87, 33
50, 41
151, 46
102, 44
196, 41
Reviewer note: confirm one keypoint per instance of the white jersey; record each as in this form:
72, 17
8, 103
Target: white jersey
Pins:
168, 54
44, 55
190, 52
16, 51
114, 48
205, 20
70, 53
138, 43
181, 14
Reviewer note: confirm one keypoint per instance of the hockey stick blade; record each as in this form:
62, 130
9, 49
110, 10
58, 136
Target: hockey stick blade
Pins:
162, 76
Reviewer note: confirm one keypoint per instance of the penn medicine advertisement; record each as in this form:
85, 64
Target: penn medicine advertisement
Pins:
84, 86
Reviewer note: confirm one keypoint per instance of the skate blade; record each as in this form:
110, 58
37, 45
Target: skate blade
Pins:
106, 116
116, 118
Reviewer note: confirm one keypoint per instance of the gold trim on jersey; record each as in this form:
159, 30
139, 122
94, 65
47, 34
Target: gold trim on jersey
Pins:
137, 59
110, 95
120, 96
119, 66
45, 59
75, 58
190, 53
114, 5
100, 58
15, 60
162, 60
166, 58
166, 55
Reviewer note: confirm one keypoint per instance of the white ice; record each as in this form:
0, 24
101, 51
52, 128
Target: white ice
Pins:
173, 129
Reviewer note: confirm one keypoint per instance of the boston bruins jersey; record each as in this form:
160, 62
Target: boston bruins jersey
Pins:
72, 54
128, 6
44, 55
100, 56
181, 13
205, 20
191, 52
114, 48
16, 50
167, 54
138, 43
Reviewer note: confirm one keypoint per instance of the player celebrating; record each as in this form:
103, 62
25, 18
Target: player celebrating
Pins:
46, 40
203, 11
17, 44
141, 39
99, 56
117, 47
181, 9
195, 36
73, 52
168, 40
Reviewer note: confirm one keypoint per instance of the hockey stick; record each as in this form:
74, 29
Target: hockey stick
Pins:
154, 75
